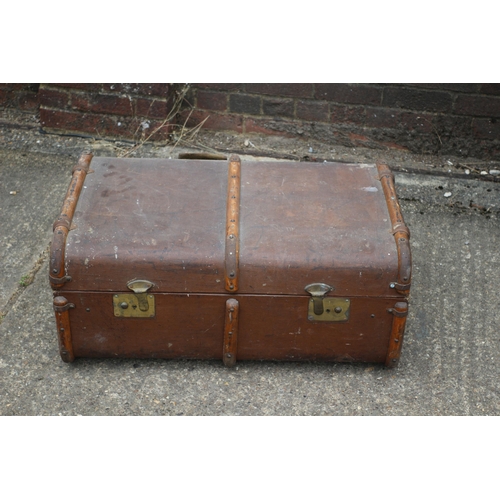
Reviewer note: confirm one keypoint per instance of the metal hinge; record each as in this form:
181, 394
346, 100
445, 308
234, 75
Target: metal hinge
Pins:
58, 308
400, 310
399, 286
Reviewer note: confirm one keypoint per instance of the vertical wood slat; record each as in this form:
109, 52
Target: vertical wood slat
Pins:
232, 224
61, 309
231, 333
400, 311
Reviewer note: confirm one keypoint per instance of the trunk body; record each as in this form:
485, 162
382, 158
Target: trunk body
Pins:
259, 260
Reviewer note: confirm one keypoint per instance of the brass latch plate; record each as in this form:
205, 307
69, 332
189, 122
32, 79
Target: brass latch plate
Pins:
134, 305
334, 309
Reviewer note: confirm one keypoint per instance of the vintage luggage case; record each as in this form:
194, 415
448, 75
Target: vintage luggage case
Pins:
158, 258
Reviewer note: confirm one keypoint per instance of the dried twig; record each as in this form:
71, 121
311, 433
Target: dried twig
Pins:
190, 134
434, 128
199, 145
166, 122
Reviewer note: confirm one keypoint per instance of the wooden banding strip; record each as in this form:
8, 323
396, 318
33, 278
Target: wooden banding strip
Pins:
61, 309
230, 348
232, 224
400, 312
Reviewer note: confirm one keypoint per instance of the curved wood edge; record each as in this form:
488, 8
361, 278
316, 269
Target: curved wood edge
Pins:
399, 230
62, 224
400, 312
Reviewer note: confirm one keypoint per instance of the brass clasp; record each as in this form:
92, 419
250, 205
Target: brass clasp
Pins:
318, 291
140, 287
322, 308
139, 304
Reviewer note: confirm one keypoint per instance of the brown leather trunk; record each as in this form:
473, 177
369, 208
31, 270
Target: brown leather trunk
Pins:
157, 258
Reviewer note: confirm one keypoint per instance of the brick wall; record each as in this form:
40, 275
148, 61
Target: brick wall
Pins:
459, 119
22, 96
112, 110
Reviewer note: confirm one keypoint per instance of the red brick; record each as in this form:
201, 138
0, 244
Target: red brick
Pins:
452, 126
153, 89
278, 107
6, 97
112, 126
215, 101
422, 122
102, 125
102, 103
478, 106
229, 87
486, 128
52, 98
417, 100
27, 100
159, 131
88, 87
191, 118
132, 128
224, 122
68, 120
348, 93
244, 103
382, 118
456, 87
348, 114
147, 89
281, 89
214, 121
129, 127
151, 108
312, 110
15, 86
116, 87
490, 88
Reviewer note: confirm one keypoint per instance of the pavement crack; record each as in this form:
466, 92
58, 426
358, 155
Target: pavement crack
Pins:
25, 281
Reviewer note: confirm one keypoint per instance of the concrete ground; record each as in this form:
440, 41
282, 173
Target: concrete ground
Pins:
450, 358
